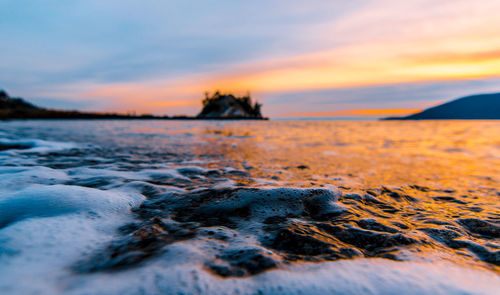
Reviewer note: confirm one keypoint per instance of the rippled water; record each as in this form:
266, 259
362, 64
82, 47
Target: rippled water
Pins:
124, 207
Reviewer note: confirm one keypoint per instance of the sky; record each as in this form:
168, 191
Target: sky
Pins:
357, 58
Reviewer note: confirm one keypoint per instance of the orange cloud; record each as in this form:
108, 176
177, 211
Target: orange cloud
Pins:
361, 65
368, 64
452, 40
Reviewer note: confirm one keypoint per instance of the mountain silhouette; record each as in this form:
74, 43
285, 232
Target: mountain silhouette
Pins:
474, 107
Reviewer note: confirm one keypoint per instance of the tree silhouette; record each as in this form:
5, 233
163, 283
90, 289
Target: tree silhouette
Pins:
219, 101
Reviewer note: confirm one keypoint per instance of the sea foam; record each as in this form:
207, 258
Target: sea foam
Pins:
54, 200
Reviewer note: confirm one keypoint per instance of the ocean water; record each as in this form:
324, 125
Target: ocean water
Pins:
249, 207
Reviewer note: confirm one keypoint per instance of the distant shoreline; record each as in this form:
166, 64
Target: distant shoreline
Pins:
216, 107
123, 117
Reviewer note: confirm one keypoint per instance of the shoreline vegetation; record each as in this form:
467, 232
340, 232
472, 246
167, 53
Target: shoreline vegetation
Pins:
218, 106
227, 105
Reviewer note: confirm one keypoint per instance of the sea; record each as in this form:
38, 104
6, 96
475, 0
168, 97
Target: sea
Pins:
249, 207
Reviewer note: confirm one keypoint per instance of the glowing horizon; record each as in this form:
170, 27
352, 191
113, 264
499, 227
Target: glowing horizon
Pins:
353, 113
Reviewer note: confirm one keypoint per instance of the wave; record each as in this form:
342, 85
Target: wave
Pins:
33, 146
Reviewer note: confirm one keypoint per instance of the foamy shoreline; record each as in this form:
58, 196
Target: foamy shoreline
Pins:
75, 219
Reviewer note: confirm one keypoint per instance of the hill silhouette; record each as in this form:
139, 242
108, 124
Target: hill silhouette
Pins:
18, 108
14, 103
474, 107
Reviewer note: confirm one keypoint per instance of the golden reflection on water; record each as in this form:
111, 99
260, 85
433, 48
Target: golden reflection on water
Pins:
411, 190
436, 182
457, 154
444, 170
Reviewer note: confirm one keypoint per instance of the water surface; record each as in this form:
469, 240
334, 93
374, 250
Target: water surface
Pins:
124, 207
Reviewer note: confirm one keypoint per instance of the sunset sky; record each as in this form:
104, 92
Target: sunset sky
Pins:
299, 58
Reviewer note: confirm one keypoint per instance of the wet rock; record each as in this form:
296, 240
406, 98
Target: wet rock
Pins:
239, 263
141, 244
452, 239
355, 197
484, 254
288, 224
492, 245
401, 225
481, 227
397, 194
436, 222
301, 243
6, 146
441, 235
219, 235
275, 220
371, 199
322, 205
373, 192
449, 199
368, 240
129, 228
372, 224
475, 209
420, 188
228, 207
388, 208
480, 251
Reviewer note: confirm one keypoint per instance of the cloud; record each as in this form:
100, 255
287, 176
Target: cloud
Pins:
409, 96
159, 56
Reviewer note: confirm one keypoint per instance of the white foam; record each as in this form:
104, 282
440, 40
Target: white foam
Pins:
143, 175
264, 203
84, 172
46, 228
36, 146
160, 174
178, 272
262, 181
225, 184
13, 178
53, 200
